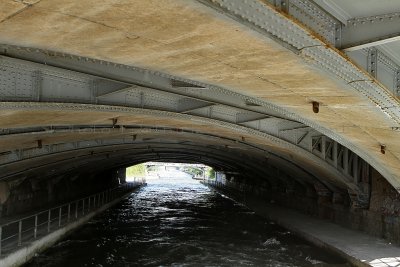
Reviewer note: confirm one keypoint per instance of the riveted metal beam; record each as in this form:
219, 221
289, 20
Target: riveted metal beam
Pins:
186, 105
302, 137
159, 93
244, 117
294, 128
397, 81
370, 31
316, 19
111, 91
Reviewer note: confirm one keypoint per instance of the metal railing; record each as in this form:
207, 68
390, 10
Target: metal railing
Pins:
238, 191
23, 231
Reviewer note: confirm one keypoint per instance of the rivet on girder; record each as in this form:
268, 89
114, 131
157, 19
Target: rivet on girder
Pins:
315, 106
114, 121
39, 143
282, 5
383, 148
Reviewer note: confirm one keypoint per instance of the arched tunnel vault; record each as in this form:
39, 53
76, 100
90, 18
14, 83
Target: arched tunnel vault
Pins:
83, 95
95, 138
224, 48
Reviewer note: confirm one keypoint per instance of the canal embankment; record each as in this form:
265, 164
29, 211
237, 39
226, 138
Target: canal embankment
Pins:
22, 239
359, 248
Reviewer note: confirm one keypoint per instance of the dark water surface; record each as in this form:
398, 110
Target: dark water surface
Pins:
182, 224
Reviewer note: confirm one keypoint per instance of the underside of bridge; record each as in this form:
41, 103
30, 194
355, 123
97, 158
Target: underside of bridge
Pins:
297, 97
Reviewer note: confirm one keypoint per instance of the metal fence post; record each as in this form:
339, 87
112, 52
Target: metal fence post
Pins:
59, 217
49, 222
76, 209
83, 206
19, 233
89, 204
35, 229
1, 236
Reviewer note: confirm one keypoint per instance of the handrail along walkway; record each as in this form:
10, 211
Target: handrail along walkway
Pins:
22, 231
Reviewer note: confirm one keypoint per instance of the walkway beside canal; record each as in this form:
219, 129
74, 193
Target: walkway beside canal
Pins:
359, 248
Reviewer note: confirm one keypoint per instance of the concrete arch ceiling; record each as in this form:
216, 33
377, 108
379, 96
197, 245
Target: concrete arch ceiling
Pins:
246, 71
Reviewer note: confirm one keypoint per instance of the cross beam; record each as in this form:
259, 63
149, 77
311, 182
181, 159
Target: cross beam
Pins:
370, 31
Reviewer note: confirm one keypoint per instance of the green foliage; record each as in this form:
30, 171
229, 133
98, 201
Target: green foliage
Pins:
211, 173
136, 171
152, 168
193, 171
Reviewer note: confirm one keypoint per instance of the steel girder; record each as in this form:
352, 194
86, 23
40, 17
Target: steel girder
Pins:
103, 86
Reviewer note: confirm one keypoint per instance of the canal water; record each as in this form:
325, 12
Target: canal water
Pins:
176, 221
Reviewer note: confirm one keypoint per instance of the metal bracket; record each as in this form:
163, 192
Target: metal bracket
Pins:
282, 5
37, 84
338, 34
373, 62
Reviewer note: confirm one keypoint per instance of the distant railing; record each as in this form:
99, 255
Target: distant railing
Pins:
23, 231
237, 190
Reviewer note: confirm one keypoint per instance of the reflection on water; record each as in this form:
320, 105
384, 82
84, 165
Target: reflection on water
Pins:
179, 222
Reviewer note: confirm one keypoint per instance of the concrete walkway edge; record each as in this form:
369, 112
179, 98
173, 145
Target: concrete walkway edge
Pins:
359, 248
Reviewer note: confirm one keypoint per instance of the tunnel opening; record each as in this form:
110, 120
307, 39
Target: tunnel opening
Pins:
157, 170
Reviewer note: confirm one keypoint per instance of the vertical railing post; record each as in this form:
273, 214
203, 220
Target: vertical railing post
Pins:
19, 233
1, 237
94, 201
69, 212
89, 204
49, 221
83, 206
35, 228
59, 217
76, 209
